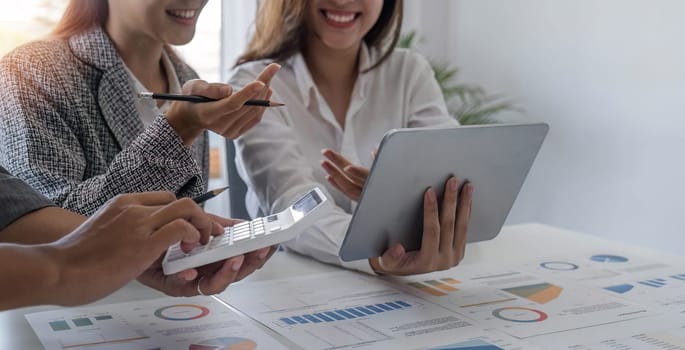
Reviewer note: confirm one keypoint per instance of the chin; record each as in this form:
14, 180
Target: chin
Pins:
178, 40
336, 44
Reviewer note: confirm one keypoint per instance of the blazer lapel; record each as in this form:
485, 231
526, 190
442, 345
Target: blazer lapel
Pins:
184, 74
115, 95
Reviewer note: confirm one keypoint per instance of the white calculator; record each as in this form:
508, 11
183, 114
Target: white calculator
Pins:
250, 235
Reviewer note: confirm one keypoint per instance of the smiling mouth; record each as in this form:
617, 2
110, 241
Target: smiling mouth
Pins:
340, 17
182, 14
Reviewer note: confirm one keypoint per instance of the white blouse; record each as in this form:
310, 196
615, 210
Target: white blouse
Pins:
279, 159
147, 108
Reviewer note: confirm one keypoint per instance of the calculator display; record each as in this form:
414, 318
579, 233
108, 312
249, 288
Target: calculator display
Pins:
307, 203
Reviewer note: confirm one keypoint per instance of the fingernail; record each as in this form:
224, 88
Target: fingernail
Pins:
396, 254
454, 185
469, 188
236, 265
259, 86
189, 276
431, 196
263, 253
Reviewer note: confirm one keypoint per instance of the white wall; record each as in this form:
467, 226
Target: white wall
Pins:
609, 78
238, 22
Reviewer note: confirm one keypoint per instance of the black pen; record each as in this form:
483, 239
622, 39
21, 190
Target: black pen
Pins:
200, 99
209, 195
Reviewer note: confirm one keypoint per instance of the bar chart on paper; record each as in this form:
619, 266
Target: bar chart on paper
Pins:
90, 330
352, 311
349, 313
664, 289
446, 289
437, 287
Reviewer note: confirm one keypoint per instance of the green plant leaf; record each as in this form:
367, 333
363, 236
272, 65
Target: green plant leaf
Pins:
469, 104
407, 40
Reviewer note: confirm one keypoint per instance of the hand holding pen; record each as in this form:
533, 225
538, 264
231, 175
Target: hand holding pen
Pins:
201, 99
228, 116
209, 195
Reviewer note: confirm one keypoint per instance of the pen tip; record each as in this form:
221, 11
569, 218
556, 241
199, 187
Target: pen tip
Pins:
276, 104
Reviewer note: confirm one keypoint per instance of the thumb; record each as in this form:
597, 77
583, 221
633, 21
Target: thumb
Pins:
212, 90
392, 258
186, 275
173, 232
192, 87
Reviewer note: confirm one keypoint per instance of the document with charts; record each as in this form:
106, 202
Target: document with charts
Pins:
665, 332
654, 284
519, 303
199, 323
347, 309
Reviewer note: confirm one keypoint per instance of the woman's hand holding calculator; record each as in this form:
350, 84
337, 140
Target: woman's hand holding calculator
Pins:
209, 279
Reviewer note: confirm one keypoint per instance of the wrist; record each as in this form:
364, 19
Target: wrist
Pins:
53, 271
376, 265
185, 131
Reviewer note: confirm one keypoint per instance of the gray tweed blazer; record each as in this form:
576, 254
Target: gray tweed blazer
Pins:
70, 129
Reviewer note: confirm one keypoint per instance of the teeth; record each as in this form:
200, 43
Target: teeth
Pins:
186, 14
340, 18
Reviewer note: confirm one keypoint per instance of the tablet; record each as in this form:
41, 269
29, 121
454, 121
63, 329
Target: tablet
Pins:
495, 158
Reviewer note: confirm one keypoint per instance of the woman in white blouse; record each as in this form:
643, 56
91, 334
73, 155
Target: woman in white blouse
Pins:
344, 86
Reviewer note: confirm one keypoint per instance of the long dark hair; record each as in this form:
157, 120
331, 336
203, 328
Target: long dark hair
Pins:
79, 16
281, 31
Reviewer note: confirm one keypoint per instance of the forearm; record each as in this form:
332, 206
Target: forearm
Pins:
41, 226
322, 241
30, 275
156, 160
271, 151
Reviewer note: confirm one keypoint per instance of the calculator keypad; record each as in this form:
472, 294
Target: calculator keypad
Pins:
242, 231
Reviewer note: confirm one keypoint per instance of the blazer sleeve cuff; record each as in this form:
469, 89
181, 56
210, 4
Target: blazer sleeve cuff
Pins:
161, 146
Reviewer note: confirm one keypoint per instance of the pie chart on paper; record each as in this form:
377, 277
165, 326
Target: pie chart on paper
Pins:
226, 343
606, 258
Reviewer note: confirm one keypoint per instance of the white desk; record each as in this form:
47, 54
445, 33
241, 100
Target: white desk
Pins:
515, 244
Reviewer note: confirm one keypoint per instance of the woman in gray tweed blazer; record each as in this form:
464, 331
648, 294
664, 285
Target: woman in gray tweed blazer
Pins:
71, 126
70, 122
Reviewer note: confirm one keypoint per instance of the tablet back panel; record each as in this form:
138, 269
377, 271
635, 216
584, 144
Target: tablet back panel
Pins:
495, 158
